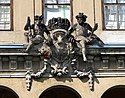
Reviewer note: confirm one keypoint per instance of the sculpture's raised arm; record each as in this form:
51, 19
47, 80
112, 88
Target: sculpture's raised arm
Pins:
28, 25
28, 28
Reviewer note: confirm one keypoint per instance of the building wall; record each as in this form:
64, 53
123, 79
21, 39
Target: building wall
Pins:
85, 6
21, 10
24, 8
19, 86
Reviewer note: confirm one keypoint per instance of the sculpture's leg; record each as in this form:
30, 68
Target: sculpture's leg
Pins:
30, 45
82, 42
83, 53
74, 45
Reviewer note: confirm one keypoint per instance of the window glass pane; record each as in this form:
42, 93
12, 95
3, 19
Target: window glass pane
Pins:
110, 17
7, 1
50, 1
4, 17
63, 1
4, 1
121, 1
62, 11
121, 11
109, 1
4, 26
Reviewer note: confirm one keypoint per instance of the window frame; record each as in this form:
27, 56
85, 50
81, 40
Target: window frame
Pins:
70, 4
11, 15
103, 15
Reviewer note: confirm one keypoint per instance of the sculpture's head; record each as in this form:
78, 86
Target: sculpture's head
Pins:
81, 18
37, 23
38, 19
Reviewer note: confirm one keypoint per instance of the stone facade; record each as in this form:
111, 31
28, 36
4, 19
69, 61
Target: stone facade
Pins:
106, 63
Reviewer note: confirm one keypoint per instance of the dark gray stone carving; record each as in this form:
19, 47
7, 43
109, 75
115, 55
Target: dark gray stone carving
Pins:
28, 80
35, 33
59, 48
84, 34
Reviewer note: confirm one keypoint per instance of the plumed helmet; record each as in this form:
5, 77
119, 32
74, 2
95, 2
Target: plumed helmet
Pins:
81, 15
38, 17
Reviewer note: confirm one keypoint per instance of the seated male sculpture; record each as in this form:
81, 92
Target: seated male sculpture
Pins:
84, 33
37, 30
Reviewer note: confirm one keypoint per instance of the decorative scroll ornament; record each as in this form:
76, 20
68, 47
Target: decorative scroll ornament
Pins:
89, 74
57, 71
28, 80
